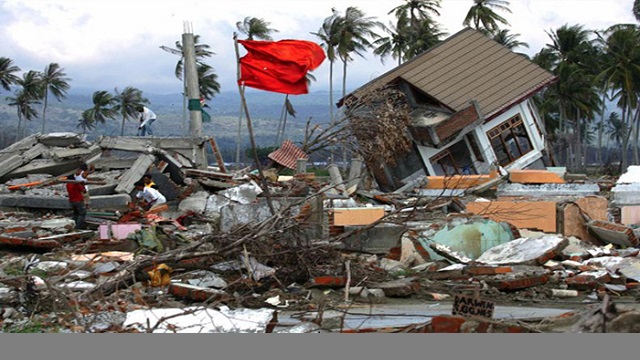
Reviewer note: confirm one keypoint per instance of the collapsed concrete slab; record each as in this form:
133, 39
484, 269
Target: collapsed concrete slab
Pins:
49, 202
378, 239
525, 251
546, 190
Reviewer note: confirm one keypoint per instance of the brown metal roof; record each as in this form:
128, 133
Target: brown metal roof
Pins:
470, 66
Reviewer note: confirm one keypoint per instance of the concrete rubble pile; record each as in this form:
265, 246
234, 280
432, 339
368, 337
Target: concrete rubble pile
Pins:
234, 251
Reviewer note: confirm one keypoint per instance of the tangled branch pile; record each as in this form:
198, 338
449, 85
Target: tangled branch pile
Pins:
379, 118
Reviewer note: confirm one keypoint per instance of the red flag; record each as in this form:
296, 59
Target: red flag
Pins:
279, 66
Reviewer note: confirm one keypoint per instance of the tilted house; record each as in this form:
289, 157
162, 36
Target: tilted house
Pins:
470, 107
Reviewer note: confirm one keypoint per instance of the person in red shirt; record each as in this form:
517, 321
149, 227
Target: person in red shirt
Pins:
76, 192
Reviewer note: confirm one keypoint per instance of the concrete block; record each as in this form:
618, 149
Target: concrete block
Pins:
546, 190
572, 223
456, 181
539, 215
534, 177
235, 214
525, 251
62, 203
629, 215
376, 240
196, 202
626, 194
357, 216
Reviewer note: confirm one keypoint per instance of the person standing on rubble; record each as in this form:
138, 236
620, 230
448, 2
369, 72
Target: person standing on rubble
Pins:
76, 192
82, 174
147, 117
147, 197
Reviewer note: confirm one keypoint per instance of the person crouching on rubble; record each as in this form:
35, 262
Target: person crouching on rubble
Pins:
76, 191
147, 197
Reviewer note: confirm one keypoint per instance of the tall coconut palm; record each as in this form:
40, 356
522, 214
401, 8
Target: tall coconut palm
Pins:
27, 95
126, 103
328, 35
354, 33
201, 50
7, 76
422, 38
208, 81
53, 81
417, 25
86, 123
103, 108
621, 73
394, 45
417, 10
255, 28
508, 40
25, 110
482, 15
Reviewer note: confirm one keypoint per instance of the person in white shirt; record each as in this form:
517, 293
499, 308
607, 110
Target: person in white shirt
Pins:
147, 117
148, 197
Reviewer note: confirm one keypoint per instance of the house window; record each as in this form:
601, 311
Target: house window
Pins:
509, 140
455, 160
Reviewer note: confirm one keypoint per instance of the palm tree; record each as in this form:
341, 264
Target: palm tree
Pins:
53, 80
328, 35
201, 50
26, 96
395, 44
416, 10
208, 81
24, 108
255, 28
86, 122
510, 41
416, 26
103, 108
621, 73
482, 16
126, 103
354, 31
422, 38
636, 9
7, 78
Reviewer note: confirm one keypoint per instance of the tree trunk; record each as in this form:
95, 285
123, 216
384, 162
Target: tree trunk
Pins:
44, 111
636, 158
122, 128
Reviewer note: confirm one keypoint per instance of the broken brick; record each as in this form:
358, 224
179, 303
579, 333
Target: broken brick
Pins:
447, 324
329, 281
486, 270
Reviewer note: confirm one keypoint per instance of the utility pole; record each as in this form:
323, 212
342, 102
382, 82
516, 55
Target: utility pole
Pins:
193, 93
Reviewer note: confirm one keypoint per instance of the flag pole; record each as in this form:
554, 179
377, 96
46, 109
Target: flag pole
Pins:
265, 185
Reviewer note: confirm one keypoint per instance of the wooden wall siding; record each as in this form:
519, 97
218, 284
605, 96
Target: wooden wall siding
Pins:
458, 121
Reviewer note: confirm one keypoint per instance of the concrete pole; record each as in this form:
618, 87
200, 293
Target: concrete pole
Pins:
193, 94
193, 88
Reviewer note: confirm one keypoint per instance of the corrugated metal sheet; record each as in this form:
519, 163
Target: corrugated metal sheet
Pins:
288, 154
470, 66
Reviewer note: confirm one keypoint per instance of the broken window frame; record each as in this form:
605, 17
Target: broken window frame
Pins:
507, 138
437, 160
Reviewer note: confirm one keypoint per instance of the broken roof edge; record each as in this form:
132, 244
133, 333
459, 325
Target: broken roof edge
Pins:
400, 67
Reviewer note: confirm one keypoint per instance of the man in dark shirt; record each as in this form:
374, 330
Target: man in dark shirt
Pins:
76, 192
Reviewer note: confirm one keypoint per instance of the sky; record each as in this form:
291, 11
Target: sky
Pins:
104, 45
